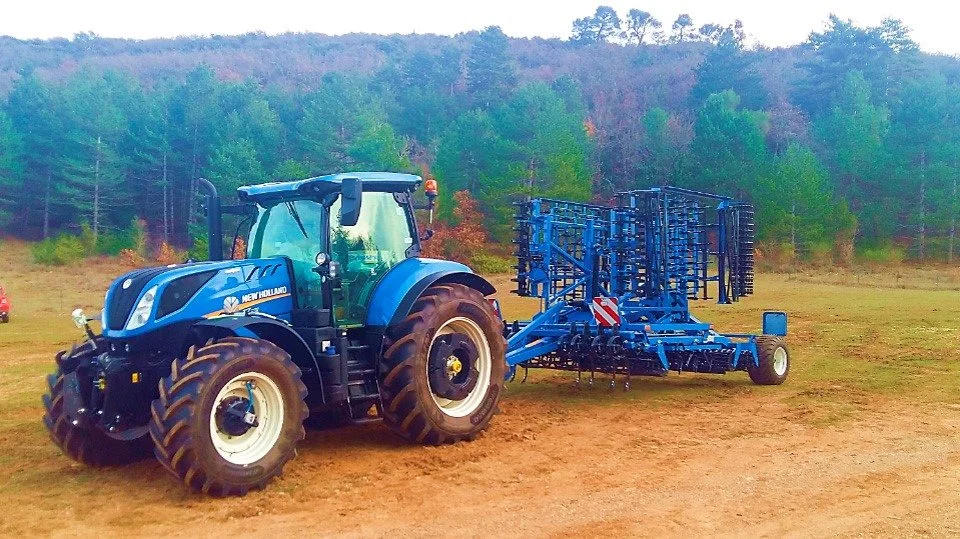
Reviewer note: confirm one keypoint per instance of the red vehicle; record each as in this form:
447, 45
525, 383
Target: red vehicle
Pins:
4, 306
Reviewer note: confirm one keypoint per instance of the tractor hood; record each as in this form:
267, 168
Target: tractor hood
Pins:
145, 299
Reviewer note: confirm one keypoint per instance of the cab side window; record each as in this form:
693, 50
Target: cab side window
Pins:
366, 251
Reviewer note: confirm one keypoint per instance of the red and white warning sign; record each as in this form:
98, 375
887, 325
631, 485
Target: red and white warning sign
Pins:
606, 311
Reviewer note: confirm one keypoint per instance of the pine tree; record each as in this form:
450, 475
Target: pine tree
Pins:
728, 67
853, 135
473, 156
233, 164
797, 206
11, 175
344, 127
600, 28
490, 75
882, 55
919, 142
92, 169
551, 140
34, 110
728, 149
641, 24
148, 147
195, 118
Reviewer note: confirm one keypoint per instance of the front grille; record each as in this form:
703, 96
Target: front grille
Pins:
123, 299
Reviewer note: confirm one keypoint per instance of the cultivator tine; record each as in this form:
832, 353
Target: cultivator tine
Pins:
526, 372
591, 353
612, 351
621, 355
583, 346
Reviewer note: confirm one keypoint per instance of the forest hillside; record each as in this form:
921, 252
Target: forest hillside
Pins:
849, 142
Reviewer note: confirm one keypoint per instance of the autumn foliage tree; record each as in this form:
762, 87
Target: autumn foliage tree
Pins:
462, 240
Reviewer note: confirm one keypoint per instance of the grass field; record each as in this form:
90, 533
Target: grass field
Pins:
862, 439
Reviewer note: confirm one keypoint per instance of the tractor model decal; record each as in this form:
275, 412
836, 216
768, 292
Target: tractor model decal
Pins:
268, 293
232, 305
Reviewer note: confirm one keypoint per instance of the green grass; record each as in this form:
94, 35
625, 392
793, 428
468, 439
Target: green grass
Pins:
849, 347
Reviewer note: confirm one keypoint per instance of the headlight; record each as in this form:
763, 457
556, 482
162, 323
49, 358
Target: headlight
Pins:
79, 319
142, 313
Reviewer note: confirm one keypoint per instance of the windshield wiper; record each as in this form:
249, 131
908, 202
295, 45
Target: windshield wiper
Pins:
296, 217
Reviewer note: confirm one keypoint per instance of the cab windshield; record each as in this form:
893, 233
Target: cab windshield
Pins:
364, 252
290, 229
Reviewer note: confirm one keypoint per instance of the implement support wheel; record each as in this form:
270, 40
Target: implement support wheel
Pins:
774, 361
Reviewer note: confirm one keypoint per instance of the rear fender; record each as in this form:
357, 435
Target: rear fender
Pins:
268, 329
394, 296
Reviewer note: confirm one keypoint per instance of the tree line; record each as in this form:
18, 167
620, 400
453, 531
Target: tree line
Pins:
850, 140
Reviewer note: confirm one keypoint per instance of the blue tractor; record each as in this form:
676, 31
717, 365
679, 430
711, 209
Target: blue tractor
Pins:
214, 366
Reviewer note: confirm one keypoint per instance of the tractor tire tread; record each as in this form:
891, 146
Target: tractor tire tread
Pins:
402, 411
86, 445
170, 425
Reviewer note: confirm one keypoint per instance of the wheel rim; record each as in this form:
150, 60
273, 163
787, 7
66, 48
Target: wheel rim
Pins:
780, 361
257, 441
484, 364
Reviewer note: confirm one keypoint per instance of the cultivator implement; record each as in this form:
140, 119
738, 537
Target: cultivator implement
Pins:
615, 284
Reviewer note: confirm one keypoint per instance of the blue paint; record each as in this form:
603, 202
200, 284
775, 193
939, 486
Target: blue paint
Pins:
411, 274
775, 323
321, 185
230, 281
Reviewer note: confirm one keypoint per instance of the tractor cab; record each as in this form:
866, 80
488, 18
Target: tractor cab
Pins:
342, 234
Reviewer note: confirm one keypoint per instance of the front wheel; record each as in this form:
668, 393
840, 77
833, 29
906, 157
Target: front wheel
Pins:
87, 444
442, 375
774, 361
229, 416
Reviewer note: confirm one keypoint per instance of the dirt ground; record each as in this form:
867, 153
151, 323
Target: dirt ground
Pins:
862, 440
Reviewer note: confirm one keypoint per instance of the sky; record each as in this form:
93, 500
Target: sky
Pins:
771, 22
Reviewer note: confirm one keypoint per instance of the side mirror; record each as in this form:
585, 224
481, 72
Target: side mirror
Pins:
351, 193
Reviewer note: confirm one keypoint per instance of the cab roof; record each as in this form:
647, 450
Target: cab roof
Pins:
390, 182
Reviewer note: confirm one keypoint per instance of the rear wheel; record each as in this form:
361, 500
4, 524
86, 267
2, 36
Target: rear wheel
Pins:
774, 363
442, 375
229, 416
